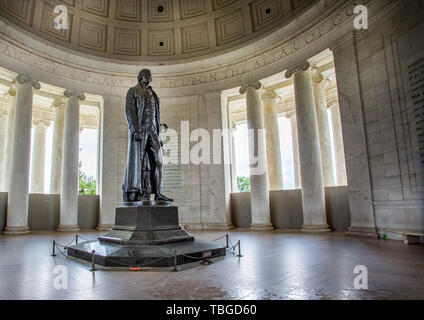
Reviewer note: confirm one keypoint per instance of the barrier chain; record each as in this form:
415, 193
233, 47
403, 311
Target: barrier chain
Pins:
57, 246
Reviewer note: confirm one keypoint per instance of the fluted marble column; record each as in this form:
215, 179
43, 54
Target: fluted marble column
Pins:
108, 162
233, 158
8, 143
273, 148
69, 180
295, 145
3, 133
259, 190
323, 129
17, 204
340, 169
57, 148
313, 193
38, 160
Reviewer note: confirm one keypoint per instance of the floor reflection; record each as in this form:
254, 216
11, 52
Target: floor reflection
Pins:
275, 265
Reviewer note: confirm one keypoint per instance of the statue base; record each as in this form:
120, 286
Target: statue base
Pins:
146, 234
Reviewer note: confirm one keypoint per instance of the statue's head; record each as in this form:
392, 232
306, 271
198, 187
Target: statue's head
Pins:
145, 77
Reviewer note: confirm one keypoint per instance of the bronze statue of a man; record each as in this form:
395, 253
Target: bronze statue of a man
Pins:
144, 165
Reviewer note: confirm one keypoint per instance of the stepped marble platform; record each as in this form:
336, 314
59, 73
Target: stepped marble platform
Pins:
146, 234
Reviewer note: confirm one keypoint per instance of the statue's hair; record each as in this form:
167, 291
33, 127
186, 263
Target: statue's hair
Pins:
143, 73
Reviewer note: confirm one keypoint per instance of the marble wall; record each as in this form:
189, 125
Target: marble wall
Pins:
389, 59
44, 211
286, 209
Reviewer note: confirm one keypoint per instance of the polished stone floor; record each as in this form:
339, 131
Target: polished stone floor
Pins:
275, 265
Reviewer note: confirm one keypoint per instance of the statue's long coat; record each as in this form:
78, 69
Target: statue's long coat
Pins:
134, 108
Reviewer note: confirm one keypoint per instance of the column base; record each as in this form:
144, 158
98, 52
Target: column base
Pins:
318, 228
16, 230
104, 227
261, 226
68, 228
362, 232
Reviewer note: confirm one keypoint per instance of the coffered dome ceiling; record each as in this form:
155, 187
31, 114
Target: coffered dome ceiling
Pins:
153, 30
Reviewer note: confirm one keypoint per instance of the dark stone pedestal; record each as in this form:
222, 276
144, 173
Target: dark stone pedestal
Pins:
146, 226
146, 235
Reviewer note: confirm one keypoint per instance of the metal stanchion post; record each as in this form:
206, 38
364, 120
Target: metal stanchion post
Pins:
76, 239
93, 261
54, 249
175, 261
228, 240
239, 250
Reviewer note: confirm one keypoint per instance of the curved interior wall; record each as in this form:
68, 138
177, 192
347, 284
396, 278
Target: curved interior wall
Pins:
384, 191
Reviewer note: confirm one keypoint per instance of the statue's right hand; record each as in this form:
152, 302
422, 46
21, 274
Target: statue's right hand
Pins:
138, 136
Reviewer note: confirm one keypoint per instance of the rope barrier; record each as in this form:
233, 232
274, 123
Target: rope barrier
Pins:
67, 245
58, 246
62, 252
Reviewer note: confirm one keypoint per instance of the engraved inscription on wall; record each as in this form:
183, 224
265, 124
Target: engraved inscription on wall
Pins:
416, 82
172, 176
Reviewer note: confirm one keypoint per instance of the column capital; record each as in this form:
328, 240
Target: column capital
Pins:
304, 66
58, 103
270, 94
317, 77
73, 93
11, 92
290, 114
270, 99
37, 122
24, 79
251, 85
328, 83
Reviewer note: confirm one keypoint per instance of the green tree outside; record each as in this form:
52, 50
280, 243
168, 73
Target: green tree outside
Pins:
243, 184
87, 184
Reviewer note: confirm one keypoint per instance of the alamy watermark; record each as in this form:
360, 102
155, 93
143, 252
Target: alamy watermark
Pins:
201, 146
60, 282
61, 20
361, 19
361, 280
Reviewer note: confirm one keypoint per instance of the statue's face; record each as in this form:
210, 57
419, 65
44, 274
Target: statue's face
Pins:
146, 78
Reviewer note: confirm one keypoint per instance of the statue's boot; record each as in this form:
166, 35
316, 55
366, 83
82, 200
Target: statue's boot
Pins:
161, 197
130, 196
145, 196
